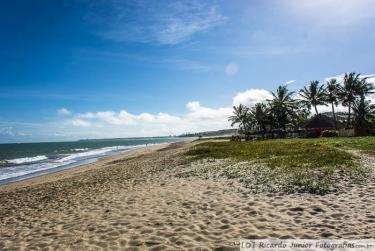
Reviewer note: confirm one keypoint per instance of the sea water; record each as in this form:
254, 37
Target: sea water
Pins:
26, 160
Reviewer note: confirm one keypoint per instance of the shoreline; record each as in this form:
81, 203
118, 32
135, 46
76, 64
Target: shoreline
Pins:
75, 170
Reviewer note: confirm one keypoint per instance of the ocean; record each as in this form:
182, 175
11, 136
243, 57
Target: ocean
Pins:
26, 160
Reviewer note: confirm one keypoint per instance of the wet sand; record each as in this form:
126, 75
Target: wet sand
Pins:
136, 202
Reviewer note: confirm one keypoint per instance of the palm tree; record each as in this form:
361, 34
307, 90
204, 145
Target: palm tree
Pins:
259, 116
332, 96
364, 88
348, 92
363, 112
314, 95
283, 110
282, 106
241, 116
362, 109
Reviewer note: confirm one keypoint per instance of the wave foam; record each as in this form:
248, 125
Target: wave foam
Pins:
32, 165
96, 152
26, 159
79, 149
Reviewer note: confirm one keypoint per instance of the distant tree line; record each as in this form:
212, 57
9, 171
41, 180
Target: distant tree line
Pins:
287, 110
224, 132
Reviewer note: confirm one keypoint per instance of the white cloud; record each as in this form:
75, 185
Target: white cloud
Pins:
87, 115
125, 118
251, 97
122, 123
11, 132
7, 131
231, 69
328, 108
162, 22
196, 118
290, 82
196, 111
63, 111
331, 12
80, 123
193, 105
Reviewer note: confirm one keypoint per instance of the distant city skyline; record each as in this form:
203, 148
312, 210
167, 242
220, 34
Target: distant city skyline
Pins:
78, 69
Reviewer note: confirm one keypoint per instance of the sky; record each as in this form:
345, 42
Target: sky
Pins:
77, 69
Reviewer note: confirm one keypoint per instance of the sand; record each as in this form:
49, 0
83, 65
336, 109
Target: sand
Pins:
136, 202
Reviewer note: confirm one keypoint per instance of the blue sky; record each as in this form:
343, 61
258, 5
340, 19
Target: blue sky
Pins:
91, 69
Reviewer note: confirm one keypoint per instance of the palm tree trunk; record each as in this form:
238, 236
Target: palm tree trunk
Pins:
316, 110
348, 122
334, 115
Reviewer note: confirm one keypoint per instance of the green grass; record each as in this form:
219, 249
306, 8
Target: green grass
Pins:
289, 165
364, 144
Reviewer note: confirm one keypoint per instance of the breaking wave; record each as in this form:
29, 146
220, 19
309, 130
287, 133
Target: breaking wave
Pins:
26, 160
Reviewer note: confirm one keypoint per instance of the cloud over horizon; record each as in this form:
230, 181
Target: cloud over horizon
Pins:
197, 118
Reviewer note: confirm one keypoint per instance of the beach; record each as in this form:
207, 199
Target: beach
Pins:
187, 125
138, 201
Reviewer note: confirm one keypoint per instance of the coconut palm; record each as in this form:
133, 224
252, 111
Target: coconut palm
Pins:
259, 116
240, 117
364, 88
313, 95
363, 113
282, 106
332, 96
362, 109
348, 92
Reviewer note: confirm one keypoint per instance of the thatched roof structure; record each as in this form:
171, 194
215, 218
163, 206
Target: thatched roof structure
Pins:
321, 121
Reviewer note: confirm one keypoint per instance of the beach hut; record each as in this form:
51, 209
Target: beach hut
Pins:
320, 123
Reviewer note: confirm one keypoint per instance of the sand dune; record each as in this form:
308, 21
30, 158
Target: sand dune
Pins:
135, 202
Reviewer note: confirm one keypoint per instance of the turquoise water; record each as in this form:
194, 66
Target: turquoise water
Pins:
26, 160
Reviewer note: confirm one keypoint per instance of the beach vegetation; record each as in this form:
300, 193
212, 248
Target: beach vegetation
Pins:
286, 165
